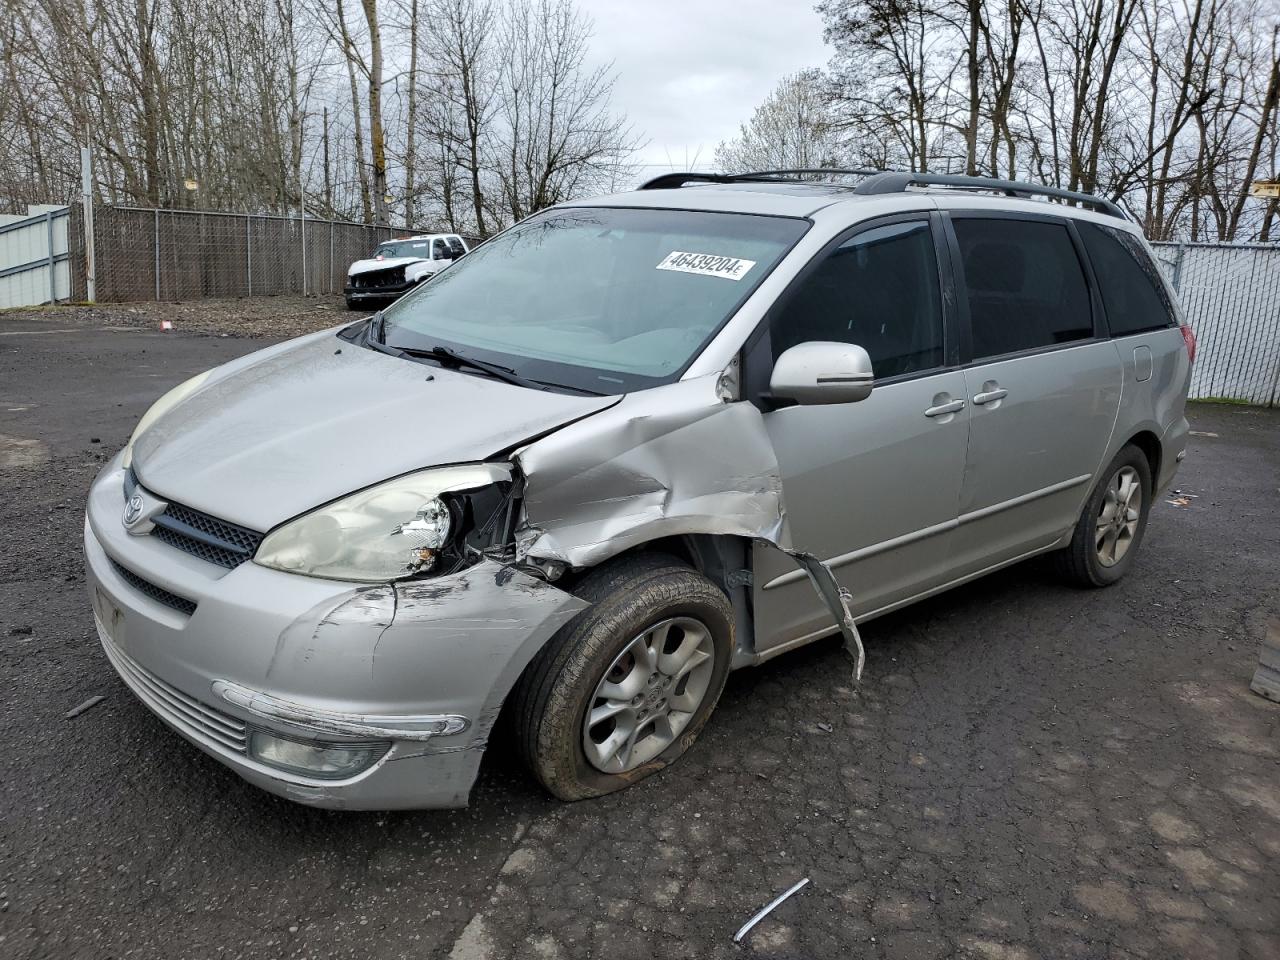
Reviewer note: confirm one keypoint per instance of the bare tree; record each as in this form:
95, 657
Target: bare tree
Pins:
792, 129
377, 136
558, 136
463, 49
1166, 104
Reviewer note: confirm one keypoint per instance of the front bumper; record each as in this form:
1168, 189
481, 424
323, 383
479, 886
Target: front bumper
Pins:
318, 660
384, 292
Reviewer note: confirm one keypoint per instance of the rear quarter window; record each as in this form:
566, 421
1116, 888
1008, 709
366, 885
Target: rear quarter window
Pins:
1133, 294
1025, 284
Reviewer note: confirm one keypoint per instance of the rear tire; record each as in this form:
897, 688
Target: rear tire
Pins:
651, 618
1110, 529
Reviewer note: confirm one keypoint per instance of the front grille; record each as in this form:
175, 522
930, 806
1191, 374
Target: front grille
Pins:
217, 541
377, 279
196, 719
156, 593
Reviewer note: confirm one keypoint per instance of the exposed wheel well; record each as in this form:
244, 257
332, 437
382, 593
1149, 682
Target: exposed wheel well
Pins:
1149, 444
697, 551
724, 560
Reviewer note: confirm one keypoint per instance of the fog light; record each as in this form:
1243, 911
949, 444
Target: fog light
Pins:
328, 761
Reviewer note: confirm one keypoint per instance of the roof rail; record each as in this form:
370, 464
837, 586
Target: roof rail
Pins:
892, 181
857, 171
898, 182
672, 181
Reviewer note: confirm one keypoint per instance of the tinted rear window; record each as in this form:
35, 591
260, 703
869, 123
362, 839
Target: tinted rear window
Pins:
1025, 285
1132, 293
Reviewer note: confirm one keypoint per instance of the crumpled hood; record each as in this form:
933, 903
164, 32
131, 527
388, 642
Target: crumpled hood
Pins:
273, 434
364, 266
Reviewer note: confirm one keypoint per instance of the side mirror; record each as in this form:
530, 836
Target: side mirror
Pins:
822, 372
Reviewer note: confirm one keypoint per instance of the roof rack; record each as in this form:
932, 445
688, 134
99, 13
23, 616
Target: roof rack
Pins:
891, 181
672, 181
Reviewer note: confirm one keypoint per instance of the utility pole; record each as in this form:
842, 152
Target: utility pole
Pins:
328, 181
86, 201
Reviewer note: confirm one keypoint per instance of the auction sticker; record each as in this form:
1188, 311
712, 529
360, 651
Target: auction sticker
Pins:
707, 265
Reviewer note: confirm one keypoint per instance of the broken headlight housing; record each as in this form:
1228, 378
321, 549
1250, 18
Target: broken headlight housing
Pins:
401, 528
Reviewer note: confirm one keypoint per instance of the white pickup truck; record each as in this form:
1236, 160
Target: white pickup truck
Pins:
398, 266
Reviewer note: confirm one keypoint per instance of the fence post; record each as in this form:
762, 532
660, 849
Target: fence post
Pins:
53, 287
248, 255
302, 232
86, 198
330, 254
157, 255
1177, 269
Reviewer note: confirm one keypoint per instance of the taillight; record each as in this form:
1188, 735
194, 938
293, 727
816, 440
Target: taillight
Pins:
1189, 337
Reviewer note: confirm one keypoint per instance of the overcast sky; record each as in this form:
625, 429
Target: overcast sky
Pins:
691, 71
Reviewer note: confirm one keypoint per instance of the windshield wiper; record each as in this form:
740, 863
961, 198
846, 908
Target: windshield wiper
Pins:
451, 359
447, 357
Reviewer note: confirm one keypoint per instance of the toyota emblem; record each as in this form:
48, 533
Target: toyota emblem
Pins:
133, 510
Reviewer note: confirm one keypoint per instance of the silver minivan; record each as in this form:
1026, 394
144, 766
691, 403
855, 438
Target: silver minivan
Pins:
619, 450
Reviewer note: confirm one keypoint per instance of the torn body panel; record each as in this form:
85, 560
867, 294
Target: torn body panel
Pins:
671, 461
455, 645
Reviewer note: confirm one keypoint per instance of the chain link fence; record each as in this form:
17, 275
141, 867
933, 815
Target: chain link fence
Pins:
145, 254
1230, 294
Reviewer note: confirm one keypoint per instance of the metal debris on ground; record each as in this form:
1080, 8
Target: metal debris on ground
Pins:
764, 912
825, 727
1203, 433
87, 705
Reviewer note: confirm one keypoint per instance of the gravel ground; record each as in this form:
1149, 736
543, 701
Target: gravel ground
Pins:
1026, 770
274, 318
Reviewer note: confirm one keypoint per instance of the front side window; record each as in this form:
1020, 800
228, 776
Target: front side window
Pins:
878, 290
1026, 288
438, 250
1132, 292
606, 300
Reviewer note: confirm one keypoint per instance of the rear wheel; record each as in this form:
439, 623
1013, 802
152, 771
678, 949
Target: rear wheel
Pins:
624, 690
1110, 528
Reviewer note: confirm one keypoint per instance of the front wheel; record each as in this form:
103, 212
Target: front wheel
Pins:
625, 689
1111, 526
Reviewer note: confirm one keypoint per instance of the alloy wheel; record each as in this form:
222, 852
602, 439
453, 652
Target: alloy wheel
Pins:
648, 695
1117, 522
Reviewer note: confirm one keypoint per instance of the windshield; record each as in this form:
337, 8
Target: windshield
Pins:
605, 300
404, 248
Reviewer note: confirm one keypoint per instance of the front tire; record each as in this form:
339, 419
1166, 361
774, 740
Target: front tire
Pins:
625, 689
1111, 526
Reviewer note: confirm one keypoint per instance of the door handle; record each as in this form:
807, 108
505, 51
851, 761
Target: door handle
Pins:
990, 396
942, 409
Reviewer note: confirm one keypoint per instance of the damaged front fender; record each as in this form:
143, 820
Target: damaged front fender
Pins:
670, 461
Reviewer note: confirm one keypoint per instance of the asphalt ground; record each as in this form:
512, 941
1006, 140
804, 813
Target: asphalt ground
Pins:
1026, 770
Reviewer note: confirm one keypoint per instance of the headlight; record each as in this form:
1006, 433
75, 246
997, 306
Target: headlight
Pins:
393, 530
160, 408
